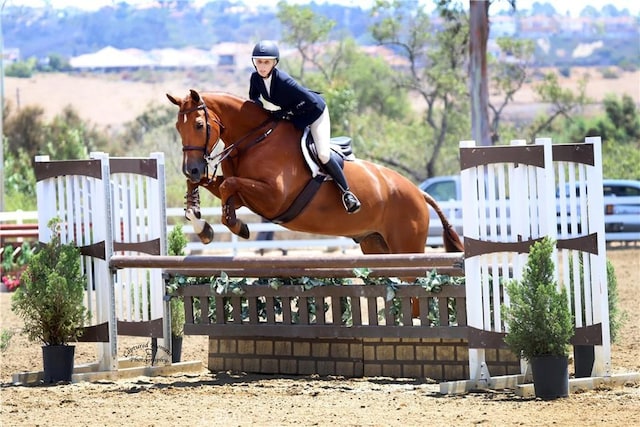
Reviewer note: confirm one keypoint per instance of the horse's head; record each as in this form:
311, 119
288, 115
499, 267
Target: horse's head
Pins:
199, 129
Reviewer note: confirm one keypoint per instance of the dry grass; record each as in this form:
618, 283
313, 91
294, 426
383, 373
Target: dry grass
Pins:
111, 100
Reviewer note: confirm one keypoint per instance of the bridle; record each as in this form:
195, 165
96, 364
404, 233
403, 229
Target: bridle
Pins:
202, 107
208, 157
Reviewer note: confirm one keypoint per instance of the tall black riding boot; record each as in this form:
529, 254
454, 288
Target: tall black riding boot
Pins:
349, 200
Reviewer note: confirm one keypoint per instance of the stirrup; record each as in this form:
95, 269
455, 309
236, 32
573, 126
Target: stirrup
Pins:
350, 202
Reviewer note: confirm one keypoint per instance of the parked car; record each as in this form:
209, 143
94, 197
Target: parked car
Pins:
621, 207
447, 192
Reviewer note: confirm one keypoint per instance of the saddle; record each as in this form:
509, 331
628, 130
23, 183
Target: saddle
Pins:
340, 147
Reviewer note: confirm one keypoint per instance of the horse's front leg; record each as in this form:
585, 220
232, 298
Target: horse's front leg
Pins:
234, 192
192, 211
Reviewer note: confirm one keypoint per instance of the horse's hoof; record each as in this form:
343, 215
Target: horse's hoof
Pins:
206, 235
244, 231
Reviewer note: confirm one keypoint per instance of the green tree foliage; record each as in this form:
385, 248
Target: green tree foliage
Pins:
508, 75
621, 160
538, 315
617, 317
56, 62
360, 89
177, 243
19, 182
436, 69
50, 298
28, 134
371, 80
24, 130
304, 30
135, 132
624, 118
410, 117
563, 102
619, 127
22, 69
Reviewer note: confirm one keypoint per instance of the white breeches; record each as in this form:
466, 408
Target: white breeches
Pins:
321, 132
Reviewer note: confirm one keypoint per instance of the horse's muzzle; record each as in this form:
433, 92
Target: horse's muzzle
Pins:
194, 171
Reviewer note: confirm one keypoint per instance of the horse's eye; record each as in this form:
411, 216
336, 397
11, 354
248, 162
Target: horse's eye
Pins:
199, 124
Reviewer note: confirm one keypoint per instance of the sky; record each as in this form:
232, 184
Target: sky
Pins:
572, 6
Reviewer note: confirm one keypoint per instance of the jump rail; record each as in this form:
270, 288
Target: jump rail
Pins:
396, 265
353, 330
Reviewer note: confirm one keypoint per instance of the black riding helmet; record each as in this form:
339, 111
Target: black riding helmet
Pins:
266, 49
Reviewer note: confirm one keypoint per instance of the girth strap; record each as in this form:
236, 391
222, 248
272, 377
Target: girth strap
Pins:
301, 201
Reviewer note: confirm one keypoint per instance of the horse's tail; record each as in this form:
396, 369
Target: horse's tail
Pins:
450, 238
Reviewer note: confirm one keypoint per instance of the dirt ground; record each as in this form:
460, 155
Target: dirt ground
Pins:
239, 399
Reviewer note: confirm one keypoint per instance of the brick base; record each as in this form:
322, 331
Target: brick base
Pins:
438, 359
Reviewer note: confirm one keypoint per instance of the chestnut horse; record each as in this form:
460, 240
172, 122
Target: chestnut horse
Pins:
264, 169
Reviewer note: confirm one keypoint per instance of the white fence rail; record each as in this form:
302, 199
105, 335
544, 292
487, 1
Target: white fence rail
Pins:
284, 239
226, 241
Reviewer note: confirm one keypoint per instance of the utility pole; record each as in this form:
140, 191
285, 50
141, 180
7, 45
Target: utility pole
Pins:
478, 81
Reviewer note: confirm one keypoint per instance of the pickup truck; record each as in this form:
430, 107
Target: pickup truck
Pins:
621, 207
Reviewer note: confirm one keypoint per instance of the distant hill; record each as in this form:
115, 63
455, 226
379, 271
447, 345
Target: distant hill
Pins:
69, 32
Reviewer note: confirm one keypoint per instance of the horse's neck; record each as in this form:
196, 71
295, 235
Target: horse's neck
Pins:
229, 109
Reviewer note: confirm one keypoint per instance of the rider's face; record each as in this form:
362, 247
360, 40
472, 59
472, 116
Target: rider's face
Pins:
264, 66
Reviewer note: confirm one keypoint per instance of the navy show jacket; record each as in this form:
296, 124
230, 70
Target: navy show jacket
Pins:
305, 105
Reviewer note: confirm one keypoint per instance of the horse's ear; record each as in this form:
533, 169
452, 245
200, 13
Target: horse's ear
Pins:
195, 95
174, 100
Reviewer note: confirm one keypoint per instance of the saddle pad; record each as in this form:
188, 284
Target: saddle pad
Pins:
340, 144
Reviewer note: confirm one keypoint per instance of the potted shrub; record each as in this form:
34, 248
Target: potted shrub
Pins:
539, 322
177, 242
177, 327
50, 301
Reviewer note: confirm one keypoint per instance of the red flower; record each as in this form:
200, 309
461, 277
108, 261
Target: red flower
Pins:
11, 282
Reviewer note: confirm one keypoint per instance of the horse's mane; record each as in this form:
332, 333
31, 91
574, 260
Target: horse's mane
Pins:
222, 97
220, 93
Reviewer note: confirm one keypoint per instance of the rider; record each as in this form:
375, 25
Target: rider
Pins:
300, 105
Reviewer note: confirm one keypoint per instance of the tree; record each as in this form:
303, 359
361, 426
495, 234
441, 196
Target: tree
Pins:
543, 9
508, 74
563, 102
435, 71
306, 30
58, 63
353, 83
23, 130
624, 117
22, 69
27, 134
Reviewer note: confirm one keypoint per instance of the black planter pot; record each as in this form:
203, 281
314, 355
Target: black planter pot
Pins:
550, 376
58, 363
583, 358
176, 349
